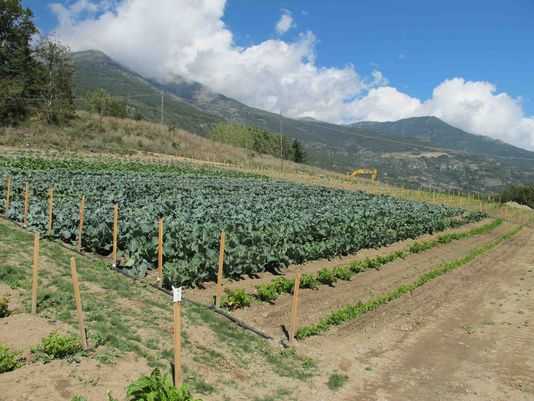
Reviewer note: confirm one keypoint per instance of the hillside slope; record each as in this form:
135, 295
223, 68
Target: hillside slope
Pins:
435, 132
93, 69
412, 152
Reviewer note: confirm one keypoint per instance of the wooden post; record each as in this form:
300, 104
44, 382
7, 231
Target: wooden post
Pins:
82, 216
35, 269
26, 203
78, 300
160, 250
115, 233
50, 209
177, 299
7, 203
218, 290
294, 309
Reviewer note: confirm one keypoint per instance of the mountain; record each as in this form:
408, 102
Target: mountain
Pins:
437, 133
414, 152
94, 69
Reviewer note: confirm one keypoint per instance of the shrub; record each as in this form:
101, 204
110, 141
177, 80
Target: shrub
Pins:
9, 360
235, 299
57, 346
4, 307
326, 276
157, 387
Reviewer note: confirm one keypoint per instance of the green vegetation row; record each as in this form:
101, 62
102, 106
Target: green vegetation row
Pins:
16, 164
269, 224
351, 312
269, 292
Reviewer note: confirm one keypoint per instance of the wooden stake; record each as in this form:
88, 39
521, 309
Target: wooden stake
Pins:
177, 344
160, 250
50, 209
26, 203
115, 233
80, 229
78, 300
218, 290
35, 269
294, 309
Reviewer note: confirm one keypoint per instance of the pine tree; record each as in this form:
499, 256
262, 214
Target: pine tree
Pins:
298, 152
19, 71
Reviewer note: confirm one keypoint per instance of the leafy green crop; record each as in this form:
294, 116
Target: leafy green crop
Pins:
9, 360
236, 299
268, 224
57, 346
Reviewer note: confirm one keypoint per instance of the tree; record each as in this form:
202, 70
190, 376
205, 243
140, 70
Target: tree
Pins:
299, 156
18, 68
102, 103
55, 81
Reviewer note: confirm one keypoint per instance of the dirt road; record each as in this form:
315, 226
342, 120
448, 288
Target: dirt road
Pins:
467, 336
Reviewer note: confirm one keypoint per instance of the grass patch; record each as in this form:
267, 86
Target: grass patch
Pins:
336, 381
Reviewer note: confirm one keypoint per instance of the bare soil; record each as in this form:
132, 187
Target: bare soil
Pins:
21, 332
316, 304
61, 380
466, 336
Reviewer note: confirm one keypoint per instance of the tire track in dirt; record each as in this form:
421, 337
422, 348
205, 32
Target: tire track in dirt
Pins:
315, 304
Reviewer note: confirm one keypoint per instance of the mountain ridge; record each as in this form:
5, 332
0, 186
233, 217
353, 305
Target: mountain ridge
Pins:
412, 152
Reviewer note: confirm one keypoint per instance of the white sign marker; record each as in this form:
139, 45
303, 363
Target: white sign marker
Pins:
176, 294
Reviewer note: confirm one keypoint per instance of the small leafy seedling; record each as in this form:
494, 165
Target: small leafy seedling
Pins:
158, 387
327, 277
235, 299
9, 360
57, 346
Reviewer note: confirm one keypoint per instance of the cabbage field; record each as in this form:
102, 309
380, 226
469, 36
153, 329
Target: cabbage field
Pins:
268, 224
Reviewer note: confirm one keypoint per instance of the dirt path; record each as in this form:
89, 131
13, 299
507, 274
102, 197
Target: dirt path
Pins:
466, 336
315, 304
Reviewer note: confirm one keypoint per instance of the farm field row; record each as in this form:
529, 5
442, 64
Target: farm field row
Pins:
269, 224
370, 257
314, 305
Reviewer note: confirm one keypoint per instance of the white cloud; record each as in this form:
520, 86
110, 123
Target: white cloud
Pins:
475, 107
285, 23
188, 38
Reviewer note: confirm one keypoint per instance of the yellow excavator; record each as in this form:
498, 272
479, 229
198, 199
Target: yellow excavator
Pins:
373, 172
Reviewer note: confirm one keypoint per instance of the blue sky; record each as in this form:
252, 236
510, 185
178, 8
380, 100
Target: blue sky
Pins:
416, 46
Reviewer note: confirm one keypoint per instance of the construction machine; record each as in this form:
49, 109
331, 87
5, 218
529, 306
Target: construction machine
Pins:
373, 172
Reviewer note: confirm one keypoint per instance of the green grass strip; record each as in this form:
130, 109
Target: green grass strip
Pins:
269, 292
351, 312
